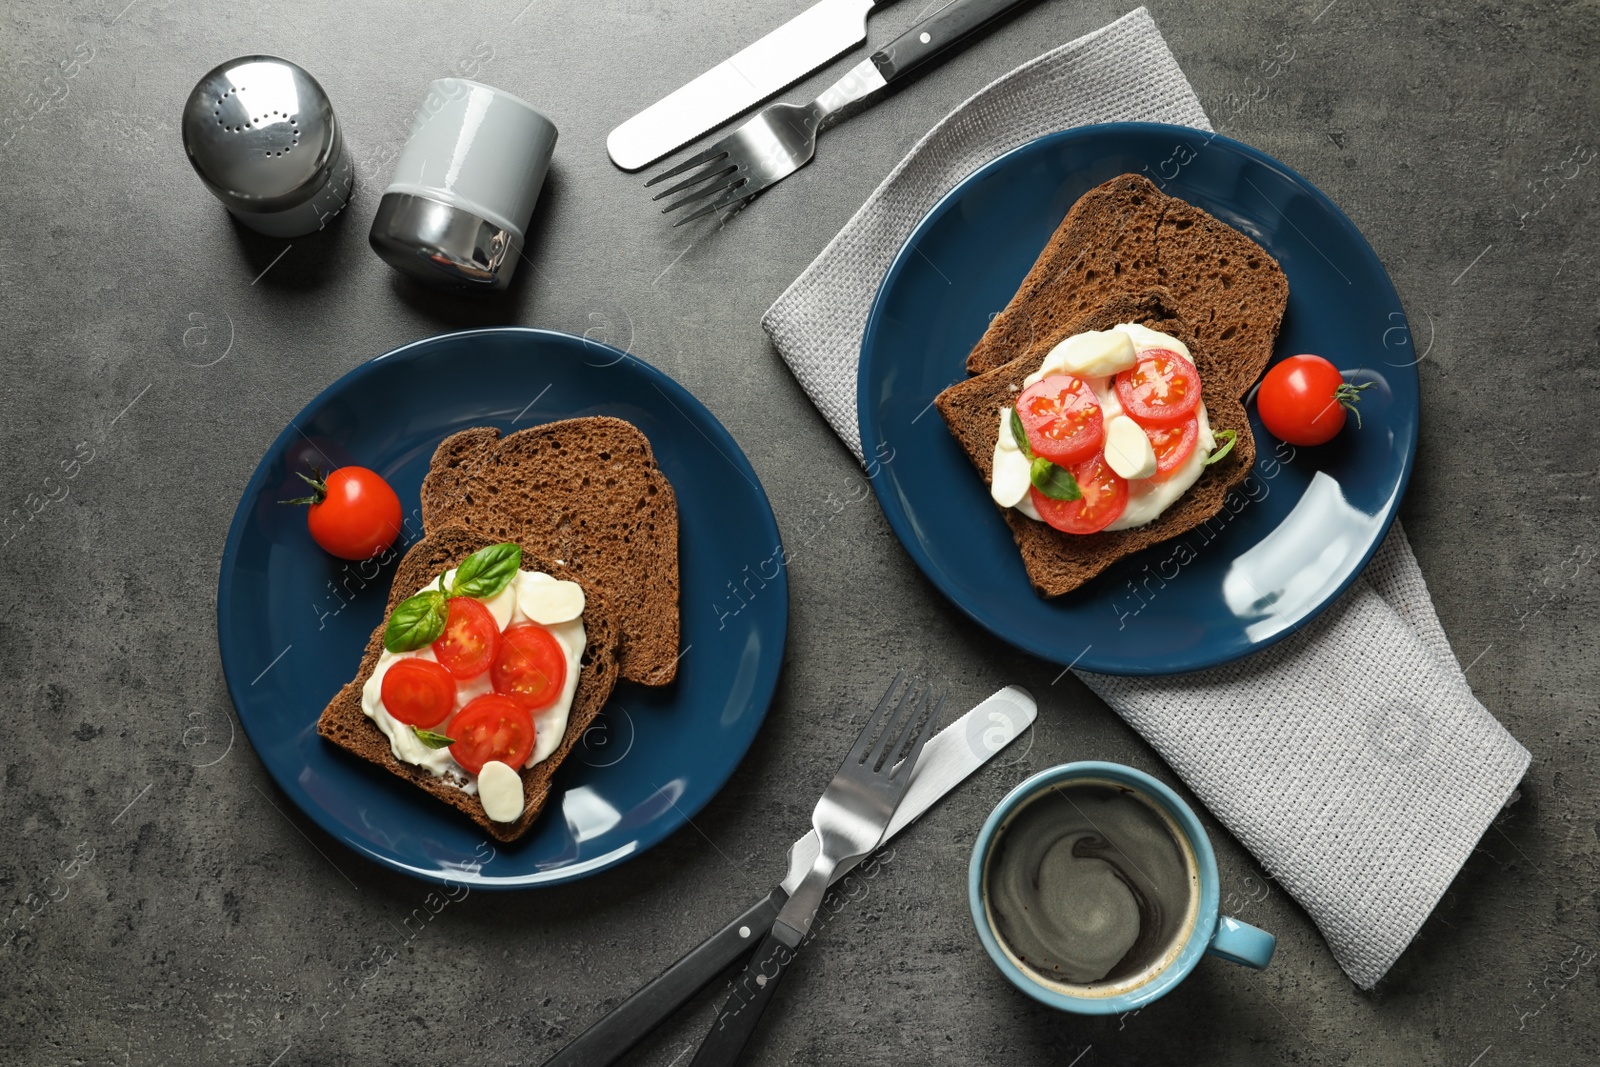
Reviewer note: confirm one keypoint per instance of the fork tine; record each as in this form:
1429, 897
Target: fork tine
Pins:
733, 180
695, 179
906, 708
910, 758
714, 152
740, 195
860, 748
891, 755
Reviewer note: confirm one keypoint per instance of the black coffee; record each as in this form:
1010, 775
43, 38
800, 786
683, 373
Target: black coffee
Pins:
1088, 884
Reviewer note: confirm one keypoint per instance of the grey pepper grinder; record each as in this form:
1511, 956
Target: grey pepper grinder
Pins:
262, 135
455, 214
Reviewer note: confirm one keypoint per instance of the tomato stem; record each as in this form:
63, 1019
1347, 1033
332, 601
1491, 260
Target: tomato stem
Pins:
1348, 395
319, 488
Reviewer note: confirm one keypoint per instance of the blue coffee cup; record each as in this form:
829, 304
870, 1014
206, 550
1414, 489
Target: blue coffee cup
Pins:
1204, 930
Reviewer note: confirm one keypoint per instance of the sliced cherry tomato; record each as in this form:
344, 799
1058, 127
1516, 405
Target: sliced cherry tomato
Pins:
492, 727
353, 515
418, 692
1061, 416
1303, 400
1105, 497
532, 665
471, 638
1173, 445
1162, 389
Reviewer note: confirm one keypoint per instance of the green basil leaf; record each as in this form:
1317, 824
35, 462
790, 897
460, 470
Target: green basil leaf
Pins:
1020, 435
431, 739
1222, 435
1053, 481
487, 571
415, 622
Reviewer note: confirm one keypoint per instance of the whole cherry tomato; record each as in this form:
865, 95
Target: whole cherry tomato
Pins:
353, 514
1303, 400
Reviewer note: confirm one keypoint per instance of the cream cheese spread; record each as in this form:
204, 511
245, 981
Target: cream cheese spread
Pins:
1147, 497
532, 596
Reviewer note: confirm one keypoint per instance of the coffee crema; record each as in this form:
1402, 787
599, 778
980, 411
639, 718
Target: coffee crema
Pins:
1091, 885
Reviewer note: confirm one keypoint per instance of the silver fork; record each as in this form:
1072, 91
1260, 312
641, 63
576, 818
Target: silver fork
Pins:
849, 821
782, 138
860, 801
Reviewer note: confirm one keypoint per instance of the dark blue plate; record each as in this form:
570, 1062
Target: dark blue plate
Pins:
292, 621
1287, 544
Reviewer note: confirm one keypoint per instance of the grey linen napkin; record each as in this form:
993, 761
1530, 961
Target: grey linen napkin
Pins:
1351, 758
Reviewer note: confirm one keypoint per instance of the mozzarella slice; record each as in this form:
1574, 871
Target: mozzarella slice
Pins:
500, 790
1095, 354
1144, 339
1128, 449
1009, 480
550, 601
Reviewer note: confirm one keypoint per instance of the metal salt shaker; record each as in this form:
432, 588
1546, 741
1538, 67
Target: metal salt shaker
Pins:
262, 135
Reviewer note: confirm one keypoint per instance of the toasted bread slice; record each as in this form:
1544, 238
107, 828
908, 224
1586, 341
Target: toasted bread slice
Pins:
586, 492
1123, 237
1058, 562
344, 723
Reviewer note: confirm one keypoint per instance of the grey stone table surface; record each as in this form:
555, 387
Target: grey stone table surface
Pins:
167, 904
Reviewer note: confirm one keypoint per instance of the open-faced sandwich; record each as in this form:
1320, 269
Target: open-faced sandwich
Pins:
547, 570
1105, 409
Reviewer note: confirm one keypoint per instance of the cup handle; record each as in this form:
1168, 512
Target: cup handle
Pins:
1240, 942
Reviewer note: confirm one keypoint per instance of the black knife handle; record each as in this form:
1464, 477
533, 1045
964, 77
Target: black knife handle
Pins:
942, 30
740, 1015
610, 1038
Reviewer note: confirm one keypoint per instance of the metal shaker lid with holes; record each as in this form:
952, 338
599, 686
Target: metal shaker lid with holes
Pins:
262, 135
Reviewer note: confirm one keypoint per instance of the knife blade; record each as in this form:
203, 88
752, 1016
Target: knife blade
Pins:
948, 759
775, 62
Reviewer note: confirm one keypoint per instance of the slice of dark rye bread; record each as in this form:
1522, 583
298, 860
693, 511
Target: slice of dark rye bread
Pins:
1058, 562
344, 723
1125, 236
586, 492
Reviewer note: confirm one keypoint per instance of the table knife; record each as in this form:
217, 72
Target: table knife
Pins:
949, 758
775, 62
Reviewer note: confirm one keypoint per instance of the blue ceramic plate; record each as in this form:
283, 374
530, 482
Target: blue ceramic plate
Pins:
1304, 523
292, 621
